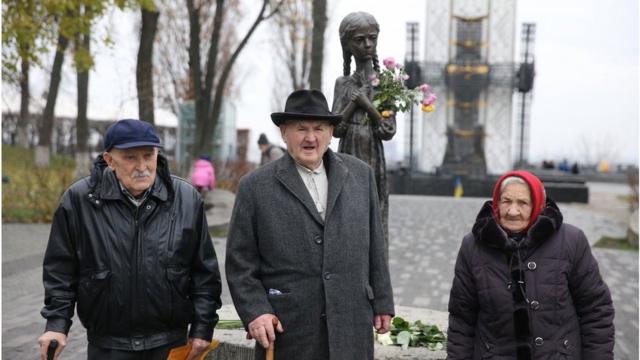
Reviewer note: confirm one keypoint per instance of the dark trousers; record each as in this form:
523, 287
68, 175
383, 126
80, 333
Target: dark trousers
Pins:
159, 353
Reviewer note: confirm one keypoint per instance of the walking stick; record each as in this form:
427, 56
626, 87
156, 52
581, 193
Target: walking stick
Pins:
51, 350
271, 349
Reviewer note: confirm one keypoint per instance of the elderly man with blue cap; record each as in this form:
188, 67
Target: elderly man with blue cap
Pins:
130, 246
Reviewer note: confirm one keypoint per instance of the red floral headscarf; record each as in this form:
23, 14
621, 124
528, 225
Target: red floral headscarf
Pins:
535, 187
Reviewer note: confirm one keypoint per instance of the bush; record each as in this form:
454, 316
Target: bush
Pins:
32, 194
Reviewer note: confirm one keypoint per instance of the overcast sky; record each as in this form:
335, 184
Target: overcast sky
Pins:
585, 99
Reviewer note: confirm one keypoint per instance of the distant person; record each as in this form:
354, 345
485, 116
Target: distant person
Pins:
203, 176
526, 285
305, 247
564, 166
130, 246
269, 151
575, 169
548, 164
603, 166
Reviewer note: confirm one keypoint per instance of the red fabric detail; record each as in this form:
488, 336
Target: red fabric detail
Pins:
535, 187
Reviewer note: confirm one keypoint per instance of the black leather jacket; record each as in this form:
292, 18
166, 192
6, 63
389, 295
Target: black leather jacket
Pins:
139, 275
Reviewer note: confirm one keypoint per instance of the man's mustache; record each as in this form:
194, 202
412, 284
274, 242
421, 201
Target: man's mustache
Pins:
140, 174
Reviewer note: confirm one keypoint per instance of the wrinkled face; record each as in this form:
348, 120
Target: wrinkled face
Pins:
135, 167
307, 140
363, 42
515, 207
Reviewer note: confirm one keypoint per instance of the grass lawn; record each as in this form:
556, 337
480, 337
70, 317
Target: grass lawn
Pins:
32, 194
615, 243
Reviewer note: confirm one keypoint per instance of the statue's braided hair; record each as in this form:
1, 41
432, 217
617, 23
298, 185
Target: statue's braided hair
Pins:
346, 62
348, 26
376, 64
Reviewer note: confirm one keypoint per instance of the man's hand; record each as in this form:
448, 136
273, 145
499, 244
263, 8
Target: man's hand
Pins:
45, 340
262, 329
198, 346
382, 323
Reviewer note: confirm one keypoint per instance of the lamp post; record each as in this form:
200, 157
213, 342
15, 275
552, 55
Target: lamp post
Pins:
413, 70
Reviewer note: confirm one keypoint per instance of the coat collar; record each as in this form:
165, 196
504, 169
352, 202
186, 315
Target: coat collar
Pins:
487, 230
104, 184
110, 189
288, 175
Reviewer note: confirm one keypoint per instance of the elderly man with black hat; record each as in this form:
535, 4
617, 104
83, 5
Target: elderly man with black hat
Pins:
129, 245
306, 250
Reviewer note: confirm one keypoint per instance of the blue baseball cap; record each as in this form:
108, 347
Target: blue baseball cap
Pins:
130, 133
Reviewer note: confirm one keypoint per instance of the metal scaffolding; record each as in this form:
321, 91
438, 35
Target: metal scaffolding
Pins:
469, 62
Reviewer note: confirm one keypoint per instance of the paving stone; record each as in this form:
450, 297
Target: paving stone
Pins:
424, 237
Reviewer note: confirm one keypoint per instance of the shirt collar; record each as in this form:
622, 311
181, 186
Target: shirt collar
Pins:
135, 201
319, 170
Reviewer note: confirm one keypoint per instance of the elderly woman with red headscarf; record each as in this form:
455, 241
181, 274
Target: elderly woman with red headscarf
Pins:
526, 285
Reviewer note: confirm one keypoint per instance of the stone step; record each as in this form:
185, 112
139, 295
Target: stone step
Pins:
235, 346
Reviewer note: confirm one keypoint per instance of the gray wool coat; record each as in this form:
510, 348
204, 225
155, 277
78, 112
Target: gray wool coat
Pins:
333, 275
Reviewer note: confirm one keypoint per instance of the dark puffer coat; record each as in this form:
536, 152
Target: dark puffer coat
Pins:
139, 275
538, 298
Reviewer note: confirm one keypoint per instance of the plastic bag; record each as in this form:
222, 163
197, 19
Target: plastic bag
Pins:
181, 352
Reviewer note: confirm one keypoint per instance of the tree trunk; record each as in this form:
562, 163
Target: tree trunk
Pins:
206, 126
203, 91
319, 15
42, 153
23, 121
208, 111
82, 126
144, 68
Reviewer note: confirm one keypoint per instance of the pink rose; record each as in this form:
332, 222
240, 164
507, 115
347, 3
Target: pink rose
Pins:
405, 77
430, 99
375, 81
389, 63
425, 88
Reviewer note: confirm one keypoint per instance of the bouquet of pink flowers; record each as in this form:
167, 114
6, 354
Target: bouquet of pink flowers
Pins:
392, 95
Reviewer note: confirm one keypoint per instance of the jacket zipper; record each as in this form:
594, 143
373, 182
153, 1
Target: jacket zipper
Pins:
136, 308
171, 230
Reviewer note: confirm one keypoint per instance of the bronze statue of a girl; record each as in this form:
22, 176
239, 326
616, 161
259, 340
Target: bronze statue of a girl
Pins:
363, 128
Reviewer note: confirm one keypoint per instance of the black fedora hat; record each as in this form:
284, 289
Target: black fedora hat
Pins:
305, 105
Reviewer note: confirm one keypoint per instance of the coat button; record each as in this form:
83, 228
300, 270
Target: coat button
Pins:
532, 265
148, 207
566, 343
327, 276
535, 305
137, 342
539, 341
317, 239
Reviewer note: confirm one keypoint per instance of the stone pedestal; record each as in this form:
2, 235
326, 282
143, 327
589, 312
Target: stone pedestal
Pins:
235, 346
